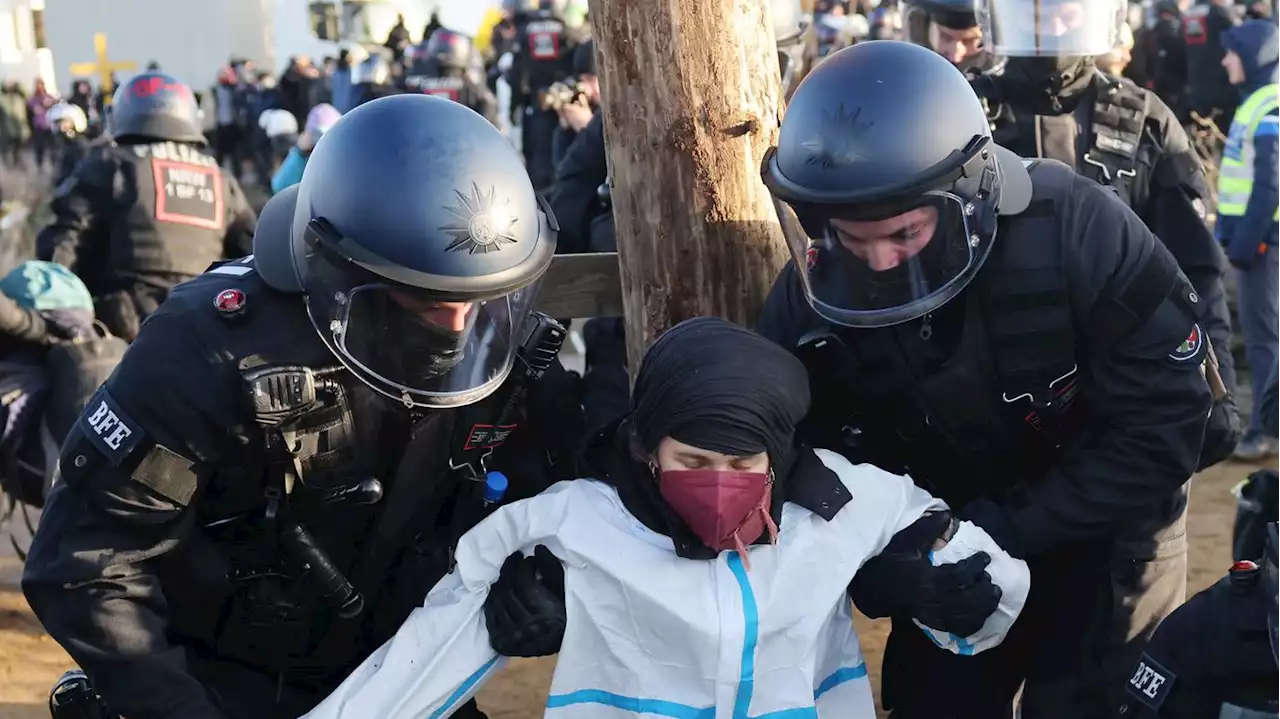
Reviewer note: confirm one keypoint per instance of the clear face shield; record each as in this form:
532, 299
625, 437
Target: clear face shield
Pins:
408, 343
866, 266
1051, 28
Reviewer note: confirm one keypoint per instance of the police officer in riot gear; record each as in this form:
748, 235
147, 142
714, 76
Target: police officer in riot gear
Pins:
951, 28
1215, 657
277, 472
1012, 338
1051, 101
148, 209
448, 65
541, 56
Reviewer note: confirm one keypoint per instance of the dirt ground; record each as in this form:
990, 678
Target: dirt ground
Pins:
30, 661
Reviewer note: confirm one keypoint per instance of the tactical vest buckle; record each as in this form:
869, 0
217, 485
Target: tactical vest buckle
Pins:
1106, 171
1048, 407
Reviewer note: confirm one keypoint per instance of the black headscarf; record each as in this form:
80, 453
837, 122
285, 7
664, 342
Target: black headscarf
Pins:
714, 385
710, 384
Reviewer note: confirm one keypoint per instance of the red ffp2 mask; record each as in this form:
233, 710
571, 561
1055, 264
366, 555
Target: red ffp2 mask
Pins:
726, 509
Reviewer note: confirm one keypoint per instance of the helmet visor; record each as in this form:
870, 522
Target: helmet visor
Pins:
1051, 28
873, 266
408, 343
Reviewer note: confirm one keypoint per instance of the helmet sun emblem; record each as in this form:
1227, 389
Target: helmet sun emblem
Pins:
482, 227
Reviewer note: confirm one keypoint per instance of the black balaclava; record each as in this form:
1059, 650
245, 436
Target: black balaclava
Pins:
1049, 85
714, 385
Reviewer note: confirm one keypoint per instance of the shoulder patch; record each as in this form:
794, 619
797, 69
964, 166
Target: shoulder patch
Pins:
112, 431
1150, 682
1190, 348
234, 268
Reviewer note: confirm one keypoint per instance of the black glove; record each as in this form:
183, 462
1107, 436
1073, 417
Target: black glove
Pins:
902, 582
991, 518
525, 611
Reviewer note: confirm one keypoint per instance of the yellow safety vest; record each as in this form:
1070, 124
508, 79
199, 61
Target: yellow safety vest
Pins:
1235, 176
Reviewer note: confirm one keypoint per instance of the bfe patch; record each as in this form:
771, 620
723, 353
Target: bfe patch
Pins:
1150, 682
107, 426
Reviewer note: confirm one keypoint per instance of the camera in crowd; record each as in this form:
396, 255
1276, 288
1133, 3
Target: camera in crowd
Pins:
563, 93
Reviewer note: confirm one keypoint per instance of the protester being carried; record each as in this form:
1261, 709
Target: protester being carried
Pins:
705, 569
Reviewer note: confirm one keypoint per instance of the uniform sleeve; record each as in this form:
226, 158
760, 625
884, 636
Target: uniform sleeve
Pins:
885, 504
21, 323
1257, 227
241, 222
440, 657
1175, 215
78, 207
1146, 400
91, 575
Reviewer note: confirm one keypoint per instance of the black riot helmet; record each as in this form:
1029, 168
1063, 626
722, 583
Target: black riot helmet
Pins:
1272, 587
418, 241
954, 14
155, 106
450, 49
886, 159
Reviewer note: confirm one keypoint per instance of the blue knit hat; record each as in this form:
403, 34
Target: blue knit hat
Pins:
46, 286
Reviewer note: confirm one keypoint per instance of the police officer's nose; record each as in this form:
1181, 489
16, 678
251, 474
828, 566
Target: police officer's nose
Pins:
449, 315
882, 255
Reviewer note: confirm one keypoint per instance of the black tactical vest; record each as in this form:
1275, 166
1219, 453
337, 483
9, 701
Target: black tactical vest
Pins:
171, 211
1240, 658
1117, 154
439, 84
545, 48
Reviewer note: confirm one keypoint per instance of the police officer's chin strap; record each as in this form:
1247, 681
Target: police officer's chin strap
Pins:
1049, 85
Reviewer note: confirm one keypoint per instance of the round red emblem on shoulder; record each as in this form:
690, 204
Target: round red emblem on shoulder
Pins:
229, 301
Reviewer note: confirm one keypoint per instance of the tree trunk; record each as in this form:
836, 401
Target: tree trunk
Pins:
691, 101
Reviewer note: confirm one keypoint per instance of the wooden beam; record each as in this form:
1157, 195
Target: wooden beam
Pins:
691, 103
582, 286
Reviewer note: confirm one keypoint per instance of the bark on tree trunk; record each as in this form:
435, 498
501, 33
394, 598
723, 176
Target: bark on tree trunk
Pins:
691, 101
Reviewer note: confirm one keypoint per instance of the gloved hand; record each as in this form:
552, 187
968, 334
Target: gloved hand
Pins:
525, 611
901, 581
991, 518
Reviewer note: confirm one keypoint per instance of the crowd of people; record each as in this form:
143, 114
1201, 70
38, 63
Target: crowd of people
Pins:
340, 471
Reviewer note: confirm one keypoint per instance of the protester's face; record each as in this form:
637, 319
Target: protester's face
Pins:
1235, 69
957, 45
885, 244
674, 456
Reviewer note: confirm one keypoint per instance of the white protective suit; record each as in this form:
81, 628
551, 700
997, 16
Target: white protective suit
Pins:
653, 634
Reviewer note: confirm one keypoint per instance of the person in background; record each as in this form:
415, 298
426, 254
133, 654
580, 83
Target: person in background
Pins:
398, 40
322, 118
82, 97
278, 132
38, 116
1160, 58
69, 124
1247, 205
432, 25
1209, 92
574, 116
229, 137
14, 129
295, 87
344, 95
1115, 62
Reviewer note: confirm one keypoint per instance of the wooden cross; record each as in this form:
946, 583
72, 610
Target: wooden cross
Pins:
103, 67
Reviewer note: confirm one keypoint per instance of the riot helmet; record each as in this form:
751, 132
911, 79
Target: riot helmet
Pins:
68, 119
950, 27
1272, 587
450, 50
155, 106
886, 162
789, 26
418, 241
1051, 28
